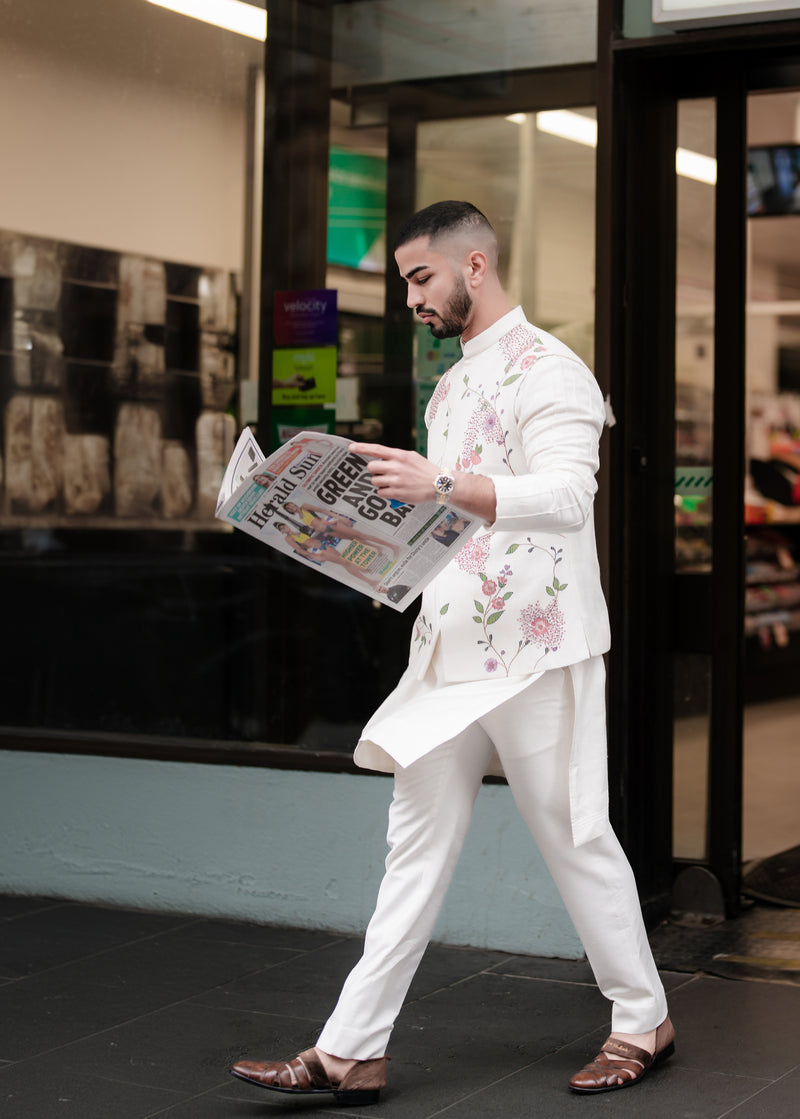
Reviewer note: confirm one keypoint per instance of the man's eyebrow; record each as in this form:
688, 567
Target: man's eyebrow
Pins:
413, 272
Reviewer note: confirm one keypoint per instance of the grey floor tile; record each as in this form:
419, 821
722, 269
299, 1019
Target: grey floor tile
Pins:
266, 936
177, 966
780, 1100
45, 1012
460, 1041
69, 1002
309, 985
12, 906
668, 1092
220, 1106
185, 1048
45, 1093
46, 938
737, 1028
304, 986
538, 967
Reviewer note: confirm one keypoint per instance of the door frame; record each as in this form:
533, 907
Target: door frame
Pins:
639, 86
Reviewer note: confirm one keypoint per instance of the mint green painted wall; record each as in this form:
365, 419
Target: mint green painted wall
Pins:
273, 846
637, 21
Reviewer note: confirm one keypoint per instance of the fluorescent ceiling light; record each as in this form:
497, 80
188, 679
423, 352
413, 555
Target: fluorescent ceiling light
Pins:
692, 165
583, 130
569, 125
232, 15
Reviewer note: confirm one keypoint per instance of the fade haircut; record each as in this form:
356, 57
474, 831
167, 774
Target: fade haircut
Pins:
443, 218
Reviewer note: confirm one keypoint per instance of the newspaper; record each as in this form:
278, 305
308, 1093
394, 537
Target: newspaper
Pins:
315, 501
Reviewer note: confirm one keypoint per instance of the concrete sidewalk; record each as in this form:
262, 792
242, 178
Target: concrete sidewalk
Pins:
116, 1014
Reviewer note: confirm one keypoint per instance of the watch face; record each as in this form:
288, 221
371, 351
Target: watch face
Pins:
443, 484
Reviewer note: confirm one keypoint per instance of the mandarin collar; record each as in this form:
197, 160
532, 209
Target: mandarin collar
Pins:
493, 333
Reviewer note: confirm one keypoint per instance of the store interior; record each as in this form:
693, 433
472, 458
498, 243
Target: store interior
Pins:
771, 737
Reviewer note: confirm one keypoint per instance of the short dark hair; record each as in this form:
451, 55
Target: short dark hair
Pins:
441, 217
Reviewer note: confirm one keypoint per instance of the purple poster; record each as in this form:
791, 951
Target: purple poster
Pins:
305, 318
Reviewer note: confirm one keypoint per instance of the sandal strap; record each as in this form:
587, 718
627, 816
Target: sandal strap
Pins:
608, 1073
628, 1052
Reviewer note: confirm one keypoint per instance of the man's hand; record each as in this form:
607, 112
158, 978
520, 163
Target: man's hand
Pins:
407, 476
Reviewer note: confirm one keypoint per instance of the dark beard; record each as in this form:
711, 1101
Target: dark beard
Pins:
455, 315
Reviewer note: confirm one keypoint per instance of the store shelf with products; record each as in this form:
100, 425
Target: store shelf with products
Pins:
772, 611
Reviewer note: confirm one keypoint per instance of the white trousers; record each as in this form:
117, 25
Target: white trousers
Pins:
428, 821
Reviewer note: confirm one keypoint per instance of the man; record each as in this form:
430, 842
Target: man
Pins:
506, 662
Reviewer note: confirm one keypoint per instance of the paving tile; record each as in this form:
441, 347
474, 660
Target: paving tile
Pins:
267, 936
13, 906
309, 986
304, 986
219, 1106
737, 1028
539, 967
567, 971
47, 1093
177, 966
69, 1002
668, 1092
463, 1039
45, 938
185, 1048
776, 1101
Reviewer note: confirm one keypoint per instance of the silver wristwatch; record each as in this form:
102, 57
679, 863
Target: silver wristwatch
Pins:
443, 484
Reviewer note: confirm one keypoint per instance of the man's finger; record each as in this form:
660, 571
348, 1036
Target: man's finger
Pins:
373, 450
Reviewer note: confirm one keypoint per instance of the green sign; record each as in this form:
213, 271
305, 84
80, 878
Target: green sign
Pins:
304, 377
356, 210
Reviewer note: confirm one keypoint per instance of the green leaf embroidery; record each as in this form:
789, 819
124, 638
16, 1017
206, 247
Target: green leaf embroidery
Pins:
511, 548
445, 608
493, 618
511, 380
551, 592
478, 606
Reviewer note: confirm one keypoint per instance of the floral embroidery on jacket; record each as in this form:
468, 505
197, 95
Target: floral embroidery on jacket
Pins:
516, 341
486, 424
438, 397
541, 626
473, 556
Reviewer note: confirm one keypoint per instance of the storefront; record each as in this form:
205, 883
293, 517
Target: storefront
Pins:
167, 179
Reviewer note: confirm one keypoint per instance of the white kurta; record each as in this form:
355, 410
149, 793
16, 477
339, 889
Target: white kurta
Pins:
420, 715
524, 596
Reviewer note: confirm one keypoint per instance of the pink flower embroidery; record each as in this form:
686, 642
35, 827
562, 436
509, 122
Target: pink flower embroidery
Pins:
439, 395
519, 339
489, 587
473, 556
490, 665
498, 603
543, 625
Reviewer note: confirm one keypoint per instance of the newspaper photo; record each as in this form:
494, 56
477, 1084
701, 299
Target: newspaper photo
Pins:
314, 501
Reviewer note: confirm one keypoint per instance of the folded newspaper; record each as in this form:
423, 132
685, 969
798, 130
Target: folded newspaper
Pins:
314, 501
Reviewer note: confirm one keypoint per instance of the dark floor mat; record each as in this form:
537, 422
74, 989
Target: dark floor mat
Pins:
763, 943
776, 879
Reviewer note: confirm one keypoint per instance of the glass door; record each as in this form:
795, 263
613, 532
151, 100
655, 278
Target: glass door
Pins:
771, 789
533, 175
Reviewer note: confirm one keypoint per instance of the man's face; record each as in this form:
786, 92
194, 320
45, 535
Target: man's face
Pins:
436, 289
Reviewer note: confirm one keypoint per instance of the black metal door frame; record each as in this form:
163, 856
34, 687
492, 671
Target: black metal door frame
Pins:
640, 85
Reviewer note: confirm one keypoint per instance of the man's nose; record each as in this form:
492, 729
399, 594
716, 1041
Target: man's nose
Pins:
414, 298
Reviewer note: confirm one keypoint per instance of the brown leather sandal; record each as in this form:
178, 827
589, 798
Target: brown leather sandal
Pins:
305, 1075
606, 1075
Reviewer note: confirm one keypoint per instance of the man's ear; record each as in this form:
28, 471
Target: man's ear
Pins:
476, 267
